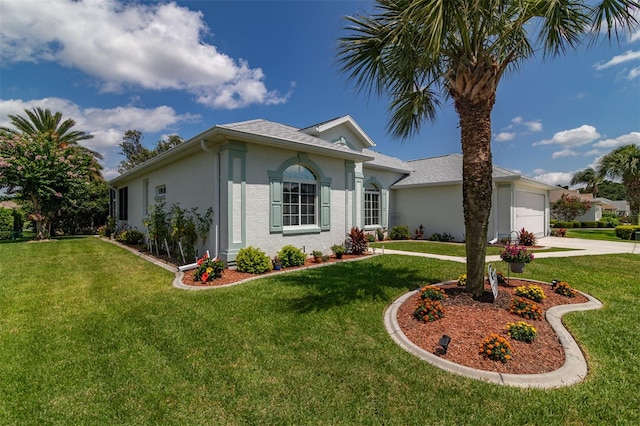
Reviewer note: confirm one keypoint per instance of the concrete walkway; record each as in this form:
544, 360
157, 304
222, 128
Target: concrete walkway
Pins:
581, 248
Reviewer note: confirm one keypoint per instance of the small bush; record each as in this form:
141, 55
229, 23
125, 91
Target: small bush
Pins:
6, 223
565, 289
496, 348
589, 224
432, 292
419, 233
526, 238
602, 224
525, 308
371, 238
522, 331
566, 225
626, 231
380, 233
291, 256
532, 292
445, 237
358, 242
400, 232
253, 261
130, 236
559, 232
576, 223
429, 310
102, 230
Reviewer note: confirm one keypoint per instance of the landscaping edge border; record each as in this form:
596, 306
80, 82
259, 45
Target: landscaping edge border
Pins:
573, 371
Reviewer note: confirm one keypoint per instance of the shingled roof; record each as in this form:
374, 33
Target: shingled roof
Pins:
445, 170
381, 161
272, 130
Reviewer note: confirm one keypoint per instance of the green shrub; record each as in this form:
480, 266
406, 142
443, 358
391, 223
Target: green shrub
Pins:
291, 256
563, 225
588, 224
602, 224
6, 223
130, 236
253, 261
400, 232
626, 231
358, 242
576, 223
102, 230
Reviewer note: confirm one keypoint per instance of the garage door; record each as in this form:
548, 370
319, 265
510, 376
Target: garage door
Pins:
530, 212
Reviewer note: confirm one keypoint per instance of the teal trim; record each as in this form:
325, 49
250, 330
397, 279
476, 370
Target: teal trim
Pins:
236, 151
384, 208
275, 195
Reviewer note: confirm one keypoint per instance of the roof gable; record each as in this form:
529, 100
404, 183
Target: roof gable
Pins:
341, 131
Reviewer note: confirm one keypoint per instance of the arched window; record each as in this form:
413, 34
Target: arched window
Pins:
299, 196
371, 205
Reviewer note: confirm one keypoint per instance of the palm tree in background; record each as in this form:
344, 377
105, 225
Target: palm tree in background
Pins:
589, 177
624, 163
423, 52
43, 122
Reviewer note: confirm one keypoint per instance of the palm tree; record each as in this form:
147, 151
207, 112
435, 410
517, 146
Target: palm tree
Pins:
589, 177
423, 52
43, 122
624, 163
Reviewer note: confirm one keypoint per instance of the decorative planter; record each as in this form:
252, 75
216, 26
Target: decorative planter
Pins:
338, 255
518, 268
277, 266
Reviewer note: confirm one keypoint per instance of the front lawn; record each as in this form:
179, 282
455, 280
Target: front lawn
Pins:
92, 334
605, 234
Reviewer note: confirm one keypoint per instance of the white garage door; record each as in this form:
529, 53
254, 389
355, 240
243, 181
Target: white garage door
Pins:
530, 212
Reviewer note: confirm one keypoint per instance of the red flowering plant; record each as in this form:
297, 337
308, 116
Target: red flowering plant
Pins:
208, 269
516, 254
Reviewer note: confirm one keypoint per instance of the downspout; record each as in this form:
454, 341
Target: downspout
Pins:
216, 195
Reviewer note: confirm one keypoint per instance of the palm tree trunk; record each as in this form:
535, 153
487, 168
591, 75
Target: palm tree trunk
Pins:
477, 168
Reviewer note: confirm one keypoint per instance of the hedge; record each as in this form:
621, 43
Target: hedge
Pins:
6, 223
626, 232
589, 224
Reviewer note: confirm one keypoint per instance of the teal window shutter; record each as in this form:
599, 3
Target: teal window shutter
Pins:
384, 213
275, 212
325, 206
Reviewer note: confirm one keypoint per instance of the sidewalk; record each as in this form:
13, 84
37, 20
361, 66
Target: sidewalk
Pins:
581, 248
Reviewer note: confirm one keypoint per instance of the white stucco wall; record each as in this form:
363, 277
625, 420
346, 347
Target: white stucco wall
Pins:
438, 209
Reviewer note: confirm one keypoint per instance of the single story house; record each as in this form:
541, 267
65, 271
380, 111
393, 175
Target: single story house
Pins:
271, 184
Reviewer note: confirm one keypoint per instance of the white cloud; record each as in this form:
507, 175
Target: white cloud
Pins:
572, 137
516, 120
534, 126
629, 55
554, 178
106, 125
633, 73
538, 171
593, 152
628, 139
153, 46
564, 153
504, 136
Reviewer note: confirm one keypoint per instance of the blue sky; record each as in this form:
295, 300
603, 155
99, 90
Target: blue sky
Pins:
185, 66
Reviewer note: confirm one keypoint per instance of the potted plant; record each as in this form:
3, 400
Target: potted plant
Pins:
338, 250
317, 256
277, 263
516, 256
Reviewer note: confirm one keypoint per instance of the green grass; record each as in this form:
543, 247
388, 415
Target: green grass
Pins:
92, 334
446, 249
605, 234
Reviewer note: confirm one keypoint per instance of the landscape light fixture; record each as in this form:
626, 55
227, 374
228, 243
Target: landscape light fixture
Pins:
554, 283
444, 342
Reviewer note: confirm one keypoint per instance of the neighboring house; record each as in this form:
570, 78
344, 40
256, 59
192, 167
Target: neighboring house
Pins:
620, 208
594, 213
270, 184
